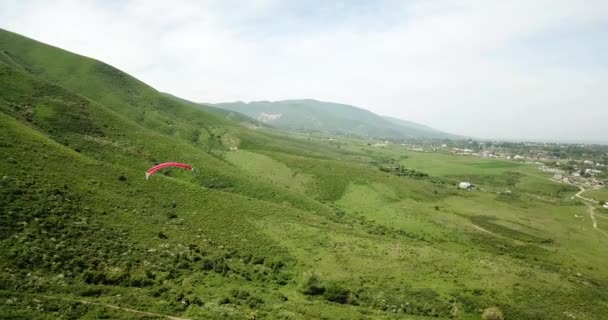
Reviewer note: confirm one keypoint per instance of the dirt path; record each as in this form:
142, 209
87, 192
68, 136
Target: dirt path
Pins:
592, 215
111, 306
481, 229
578, 194
590, 209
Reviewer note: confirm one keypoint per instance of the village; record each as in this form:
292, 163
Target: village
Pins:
581, 165
585, 166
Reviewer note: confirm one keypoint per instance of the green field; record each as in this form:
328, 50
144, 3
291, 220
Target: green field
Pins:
289, 226
597, 194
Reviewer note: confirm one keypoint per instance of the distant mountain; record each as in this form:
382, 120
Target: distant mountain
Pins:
318, 116
219, 112
410, 128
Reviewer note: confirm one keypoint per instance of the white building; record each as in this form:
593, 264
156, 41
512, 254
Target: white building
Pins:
592, 171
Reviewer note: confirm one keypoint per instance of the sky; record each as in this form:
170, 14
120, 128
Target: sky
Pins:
517, 69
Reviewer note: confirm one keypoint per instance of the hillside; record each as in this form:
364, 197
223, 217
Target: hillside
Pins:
326, 117
222, 113
415, 129
288, 226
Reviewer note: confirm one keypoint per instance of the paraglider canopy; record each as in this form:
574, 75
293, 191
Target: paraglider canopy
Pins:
163, 165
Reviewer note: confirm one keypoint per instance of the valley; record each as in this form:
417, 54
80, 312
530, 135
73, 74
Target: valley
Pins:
273, 223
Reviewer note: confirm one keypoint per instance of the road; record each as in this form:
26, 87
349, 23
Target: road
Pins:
111, 306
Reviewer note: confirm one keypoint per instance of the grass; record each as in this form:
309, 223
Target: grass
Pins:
277, 173
454, 165
290, 226
597, 194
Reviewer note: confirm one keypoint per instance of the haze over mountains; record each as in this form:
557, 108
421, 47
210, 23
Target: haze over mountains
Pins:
327, 117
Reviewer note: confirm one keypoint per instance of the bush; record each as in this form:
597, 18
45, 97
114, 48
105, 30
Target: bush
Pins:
492, 313
310, 284
276, 264
254, 302
140, 280
240, 294
207, 264
91, 292
337, 293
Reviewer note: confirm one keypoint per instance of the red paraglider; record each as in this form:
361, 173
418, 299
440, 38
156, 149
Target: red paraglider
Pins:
163, 165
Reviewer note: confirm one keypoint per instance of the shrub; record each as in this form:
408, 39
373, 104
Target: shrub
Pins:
94, 277
240, 294
197, 301
91, 292
276, 264
310, 284
140, 280
337, 293
207, 264
254, 302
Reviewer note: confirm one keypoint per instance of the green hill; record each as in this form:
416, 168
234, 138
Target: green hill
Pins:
326, 117
222, 113
271, 225
413, 129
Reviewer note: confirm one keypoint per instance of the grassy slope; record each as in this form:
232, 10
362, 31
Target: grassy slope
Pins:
257, 230
597, 194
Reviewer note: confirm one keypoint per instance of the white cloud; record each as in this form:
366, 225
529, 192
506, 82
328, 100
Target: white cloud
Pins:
456, 65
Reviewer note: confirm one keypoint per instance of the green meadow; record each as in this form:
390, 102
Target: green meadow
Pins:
597, 194
272, 224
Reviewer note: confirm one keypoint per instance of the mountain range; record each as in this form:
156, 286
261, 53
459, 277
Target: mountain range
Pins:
310, 115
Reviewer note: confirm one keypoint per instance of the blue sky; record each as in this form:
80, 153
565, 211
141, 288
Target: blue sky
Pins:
492, 69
